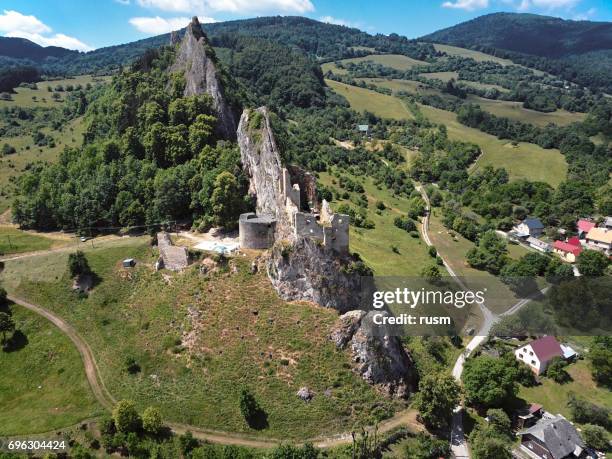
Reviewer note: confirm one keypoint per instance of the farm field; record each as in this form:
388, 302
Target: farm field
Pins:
395, 61
471, 54
41, 97
515, 111
374, 245
27, 153
454, 249
521, 161
43, 385
443, 76
363, 100
554, 396
187, 330
13, 240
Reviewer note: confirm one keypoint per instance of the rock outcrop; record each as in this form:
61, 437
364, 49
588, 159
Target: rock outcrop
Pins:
261, 160
303, 269
379, 358
195, 58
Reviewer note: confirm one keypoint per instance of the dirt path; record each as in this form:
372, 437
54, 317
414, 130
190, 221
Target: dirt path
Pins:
104, 397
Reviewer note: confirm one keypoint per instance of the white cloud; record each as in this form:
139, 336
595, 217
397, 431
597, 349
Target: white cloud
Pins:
13, 20
469, 5
15, 24
123, 2
158, 25
234, 6
336, 21
586, 15
548, 5
58, 39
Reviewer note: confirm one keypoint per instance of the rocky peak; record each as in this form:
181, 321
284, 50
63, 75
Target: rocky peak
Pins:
175, 39
195, 59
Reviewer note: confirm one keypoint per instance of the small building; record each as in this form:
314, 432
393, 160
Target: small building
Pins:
567, 251
538, 244
364, 129
528, 416
552, 437
600, 239
129, 263
607, 223
584, 226
538, 354
531, 226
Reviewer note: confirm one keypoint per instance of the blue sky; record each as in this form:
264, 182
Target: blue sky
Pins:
89, 24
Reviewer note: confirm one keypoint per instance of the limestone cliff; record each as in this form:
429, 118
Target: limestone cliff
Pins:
378, 357
195, 59
301, 268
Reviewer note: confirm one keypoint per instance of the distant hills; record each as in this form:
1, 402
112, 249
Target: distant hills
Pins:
579, 51
22, 48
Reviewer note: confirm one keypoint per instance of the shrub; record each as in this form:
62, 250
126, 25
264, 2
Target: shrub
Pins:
152, 422
596, 437
126, 417
77, 264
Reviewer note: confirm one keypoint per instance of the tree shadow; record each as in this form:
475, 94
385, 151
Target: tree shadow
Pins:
259, 420
16, 342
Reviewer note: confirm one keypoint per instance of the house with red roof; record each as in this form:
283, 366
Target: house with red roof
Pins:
584, 226
538, 354
569, 250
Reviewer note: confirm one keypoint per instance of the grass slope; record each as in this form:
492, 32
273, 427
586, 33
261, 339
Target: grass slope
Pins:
395, 61
42, 97
526, 160
363, 100
199, 340
471, 54
11, 166
13, 240
43, 385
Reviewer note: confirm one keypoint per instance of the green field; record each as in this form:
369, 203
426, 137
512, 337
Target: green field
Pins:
554, 396
13, 240
43, 385
374, 245
41, 97
409, 86
484, 86
199, 339
454, 248
443, 76
362, 99
525, 160
515, 111
70, 135
470, 54
395, 61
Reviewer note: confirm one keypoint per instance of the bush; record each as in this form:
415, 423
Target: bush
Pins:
556, 370
585, 412
596, 437
432, 251
152, 422
126, 417
77, 264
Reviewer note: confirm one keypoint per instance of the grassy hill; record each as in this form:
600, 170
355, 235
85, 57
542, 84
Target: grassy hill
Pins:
199, 339
394, 61
43, 385
362, 100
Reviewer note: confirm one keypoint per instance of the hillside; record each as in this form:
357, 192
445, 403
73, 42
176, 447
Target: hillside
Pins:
579, 51
25, 49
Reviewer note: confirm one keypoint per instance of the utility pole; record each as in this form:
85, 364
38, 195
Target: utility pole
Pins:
9, 241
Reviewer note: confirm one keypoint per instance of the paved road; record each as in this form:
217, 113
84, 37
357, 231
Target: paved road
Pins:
459, 446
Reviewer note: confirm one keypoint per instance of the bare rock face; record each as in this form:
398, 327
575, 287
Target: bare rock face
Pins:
174, 38
261, 161
305, 394
303, 269
380, 359
195, 58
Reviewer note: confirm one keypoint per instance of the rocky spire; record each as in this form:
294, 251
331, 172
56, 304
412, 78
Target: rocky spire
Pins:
174, 38
195, 58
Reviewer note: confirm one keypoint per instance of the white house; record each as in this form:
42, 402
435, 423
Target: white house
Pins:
530, 227
538, 354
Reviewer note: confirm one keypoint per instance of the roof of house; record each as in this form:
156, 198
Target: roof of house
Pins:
608, 221
558, 434
363, 127
600, 235
546, 348
574, 241
567, 247
585, 225
533, 223
538, 243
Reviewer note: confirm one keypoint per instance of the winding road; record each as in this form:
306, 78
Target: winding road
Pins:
459, 446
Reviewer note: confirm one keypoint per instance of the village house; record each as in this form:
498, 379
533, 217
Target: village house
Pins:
568, 250
529, 415
553, 437
530, 227
538, 244
538, 354
584, 226
600, 239
608, 223
364, 129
